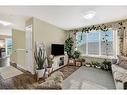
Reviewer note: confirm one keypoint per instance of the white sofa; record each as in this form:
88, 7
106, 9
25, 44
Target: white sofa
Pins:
119, 75
119, 72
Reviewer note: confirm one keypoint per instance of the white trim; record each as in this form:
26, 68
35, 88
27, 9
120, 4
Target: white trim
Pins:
97, 56
20, 49
86, 43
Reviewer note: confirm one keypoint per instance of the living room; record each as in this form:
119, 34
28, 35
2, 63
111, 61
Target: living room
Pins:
65, 47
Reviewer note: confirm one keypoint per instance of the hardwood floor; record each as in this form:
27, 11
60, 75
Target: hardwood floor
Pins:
28, 81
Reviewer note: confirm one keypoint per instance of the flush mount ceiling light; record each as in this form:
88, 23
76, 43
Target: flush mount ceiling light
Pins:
5, 23
89, 15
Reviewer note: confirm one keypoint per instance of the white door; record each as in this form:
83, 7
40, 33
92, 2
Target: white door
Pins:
29, 54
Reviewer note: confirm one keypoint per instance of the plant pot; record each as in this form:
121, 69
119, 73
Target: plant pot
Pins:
49, 70
40, 73
93, 66
98, 67
87, 65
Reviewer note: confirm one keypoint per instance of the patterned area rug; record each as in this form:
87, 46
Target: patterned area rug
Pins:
68, 70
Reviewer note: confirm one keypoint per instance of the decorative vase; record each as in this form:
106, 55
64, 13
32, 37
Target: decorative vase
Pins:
49, 70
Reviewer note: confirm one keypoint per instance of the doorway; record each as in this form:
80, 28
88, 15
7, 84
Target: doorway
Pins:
29, 52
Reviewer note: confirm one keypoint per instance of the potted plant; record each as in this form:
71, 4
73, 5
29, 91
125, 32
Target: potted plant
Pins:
76, 54
68, 47
98, 65
40, 59
50, 62
106, 65
95, 64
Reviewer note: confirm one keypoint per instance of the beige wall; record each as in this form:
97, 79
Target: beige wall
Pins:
18, 38
48, 33
43, 31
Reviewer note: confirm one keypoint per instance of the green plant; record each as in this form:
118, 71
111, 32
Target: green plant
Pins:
39, 58
106, 65
95, 63
98, 64
76, 54
68, 46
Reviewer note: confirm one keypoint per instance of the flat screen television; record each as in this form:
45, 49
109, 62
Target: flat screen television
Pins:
57, 49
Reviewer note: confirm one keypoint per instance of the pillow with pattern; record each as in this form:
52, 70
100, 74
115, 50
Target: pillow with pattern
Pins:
122, 61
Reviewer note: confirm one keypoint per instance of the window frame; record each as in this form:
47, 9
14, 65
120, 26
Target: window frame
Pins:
115, 46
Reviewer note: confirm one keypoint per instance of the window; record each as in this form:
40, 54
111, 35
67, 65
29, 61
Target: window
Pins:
8, 46
93, 43
81, 44
109, 47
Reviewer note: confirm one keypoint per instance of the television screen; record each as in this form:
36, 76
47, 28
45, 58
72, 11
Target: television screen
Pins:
57, 49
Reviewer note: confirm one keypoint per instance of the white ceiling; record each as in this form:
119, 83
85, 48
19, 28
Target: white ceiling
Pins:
65, 17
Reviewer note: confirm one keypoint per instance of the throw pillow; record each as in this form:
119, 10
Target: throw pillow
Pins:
122, 61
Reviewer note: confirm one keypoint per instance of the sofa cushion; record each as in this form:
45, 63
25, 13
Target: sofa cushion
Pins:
119, 76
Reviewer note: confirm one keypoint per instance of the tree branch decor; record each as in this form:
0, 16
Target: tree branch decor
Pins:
119, 26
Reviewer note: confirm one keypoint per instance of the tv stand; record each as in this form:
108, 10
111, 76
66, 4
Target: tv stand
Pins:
57, 62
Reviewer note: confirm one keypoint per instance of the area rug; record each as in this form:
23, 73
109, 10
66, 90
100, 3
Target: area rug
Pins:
85, 84
91, 85
9, 72
89, 78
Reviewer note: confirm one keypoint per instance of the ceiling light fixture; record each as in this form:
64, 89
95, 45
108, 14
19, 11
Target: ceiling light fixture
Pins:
89, 15
5, 23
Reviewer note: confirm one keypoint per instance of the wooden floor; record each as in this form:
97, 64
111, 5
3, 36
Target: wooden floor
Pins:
28, 81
